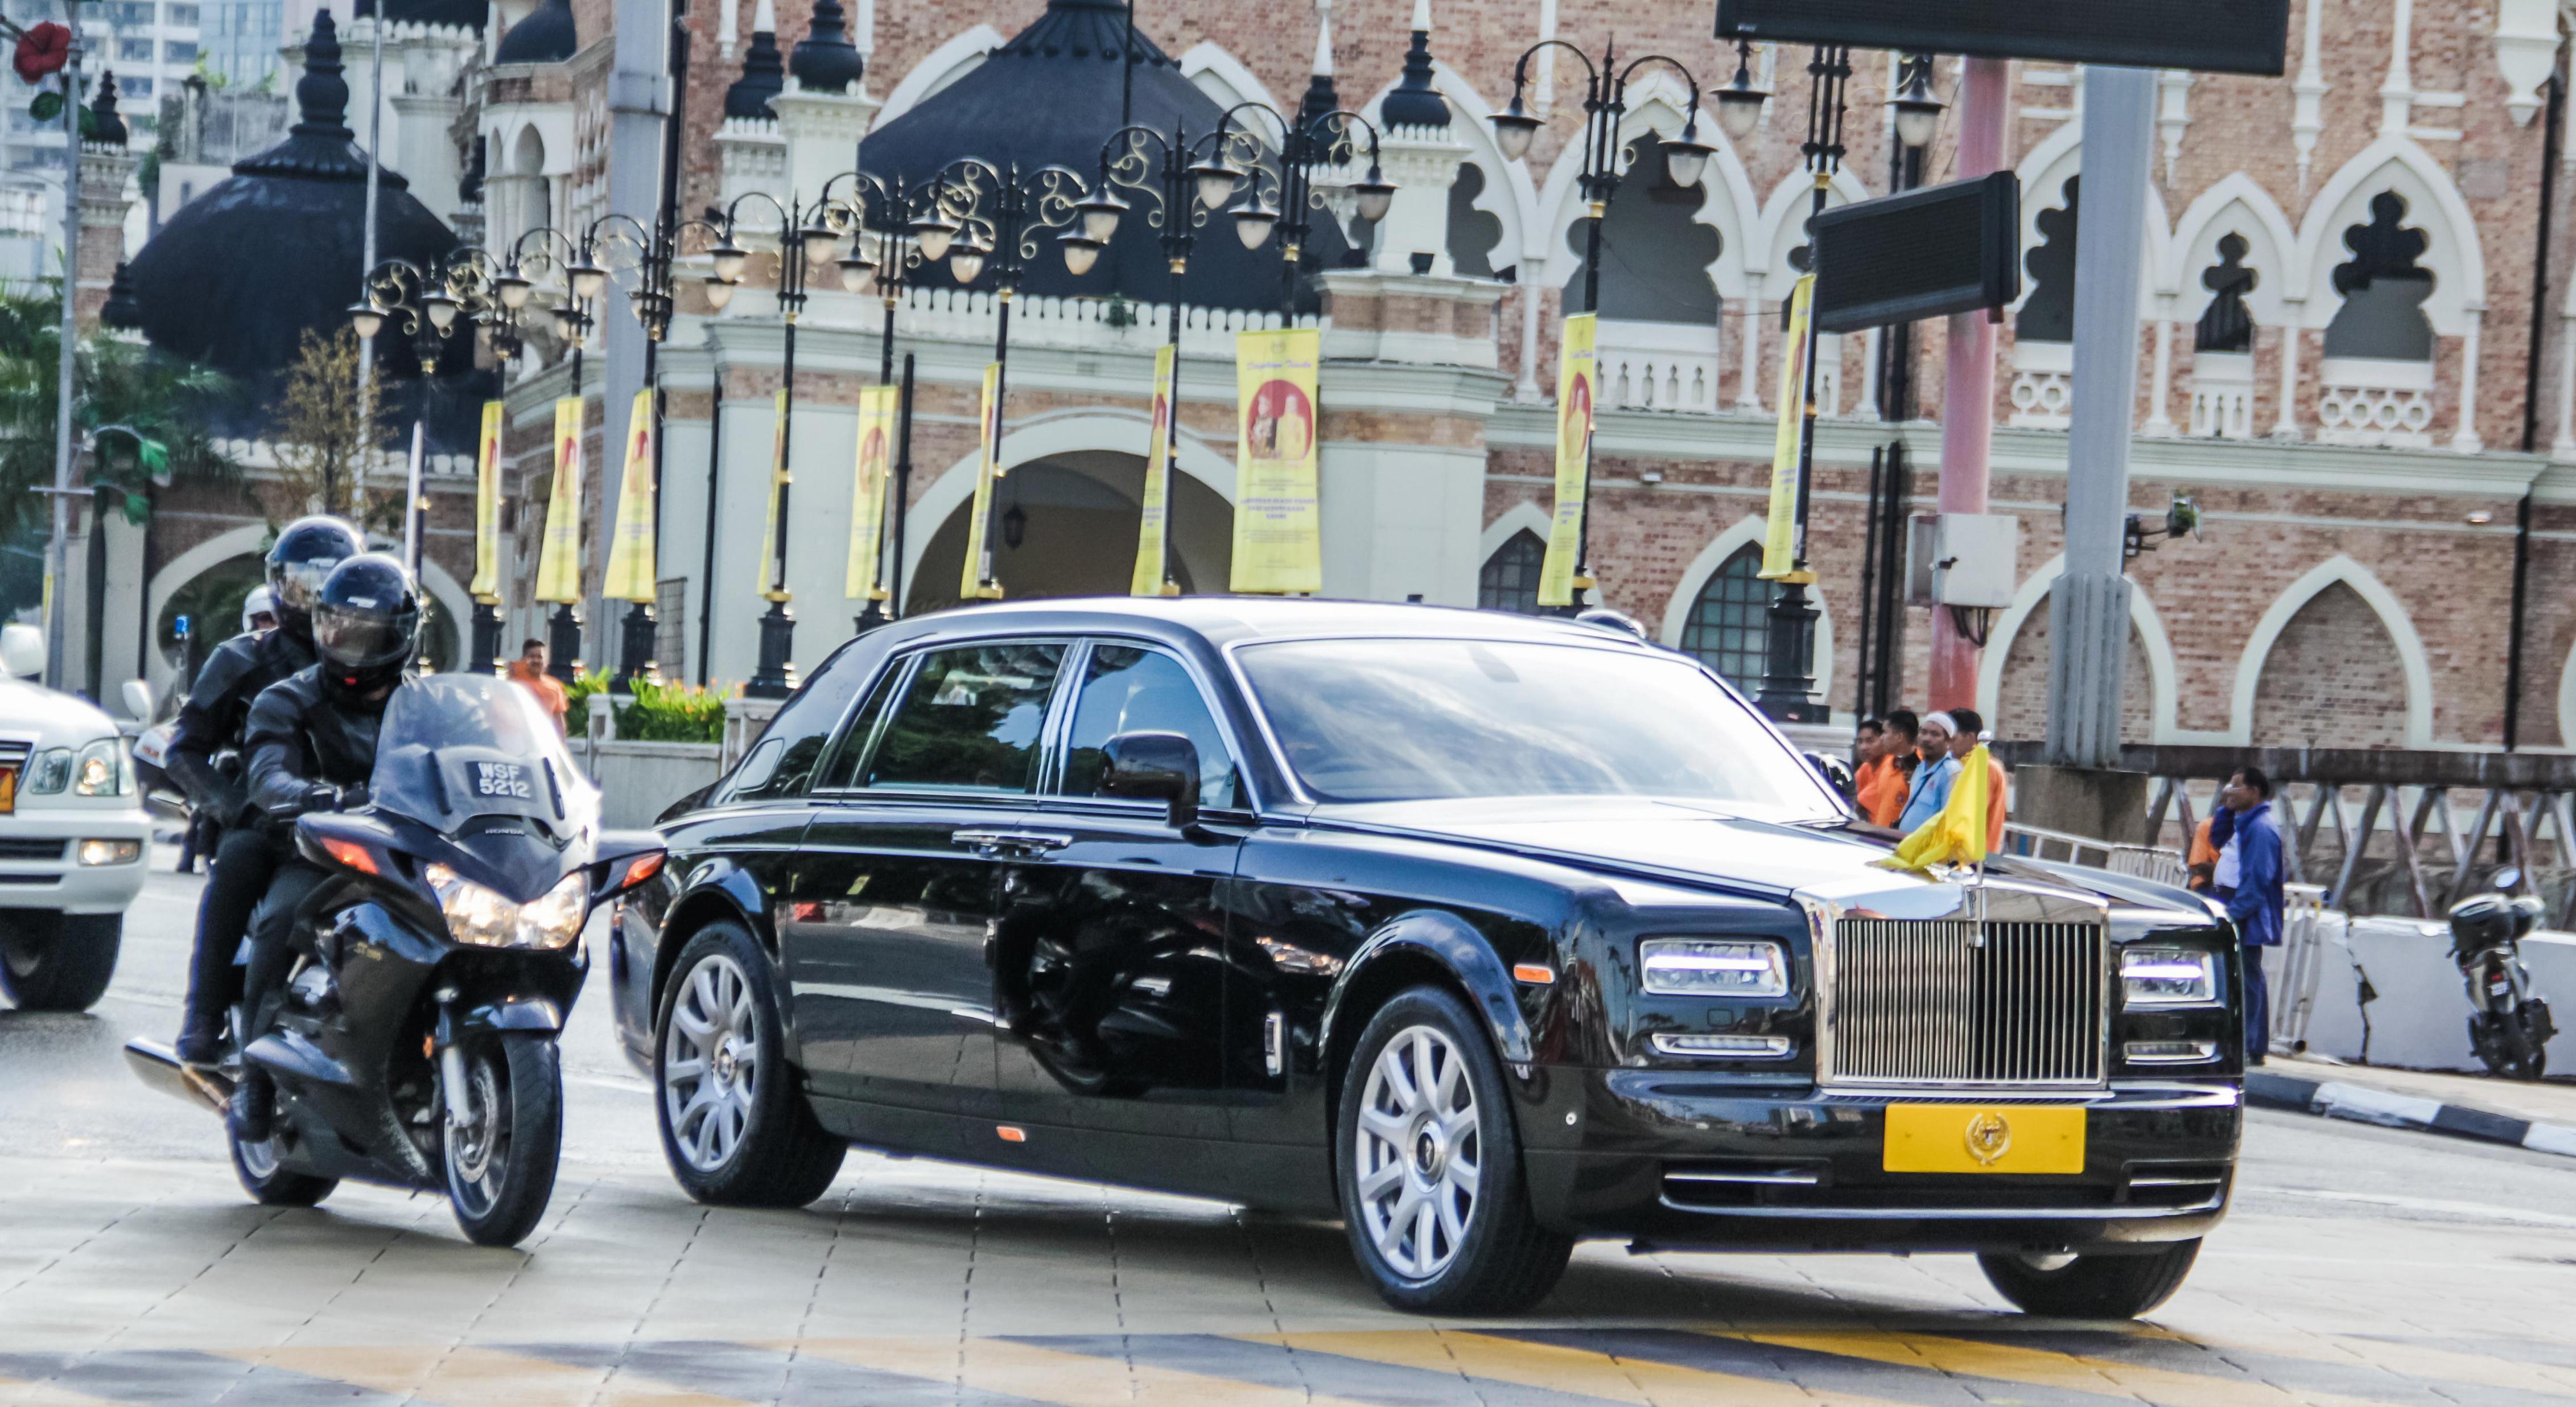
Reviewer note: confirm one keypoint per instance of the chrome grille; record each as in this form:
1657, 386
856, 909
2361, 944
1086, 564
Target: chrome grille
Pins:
1959, 1002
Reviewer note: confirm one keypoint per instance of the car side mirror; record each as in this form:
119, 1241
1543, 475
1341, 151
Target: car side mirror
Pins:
138, 700
1837, 774
1160, 767
22, 651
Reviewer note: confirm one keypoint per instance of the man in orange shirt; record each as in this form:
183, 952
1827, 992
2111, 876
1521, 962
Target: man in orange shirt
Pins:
529, 672
1883, 777
1972, 731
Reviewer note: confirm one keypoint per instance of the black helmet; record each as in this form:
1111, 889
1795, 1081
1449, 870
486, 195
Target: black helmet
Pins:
303, 556
367, 623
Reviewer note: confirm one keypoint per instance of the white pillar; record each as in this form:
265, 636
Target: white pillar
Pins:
2285, 426
2159, 418
1748, 388
1868, 407
2466, 441
2564, 447
1531, 289
2397, 92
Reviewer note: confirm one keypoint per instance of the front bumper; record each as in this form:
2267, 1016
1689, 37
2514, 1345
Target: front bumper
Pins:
39, 865
1682, 1159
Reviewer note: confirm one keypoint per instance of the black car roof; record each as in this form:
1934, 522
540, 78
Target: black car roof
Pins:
1224, 620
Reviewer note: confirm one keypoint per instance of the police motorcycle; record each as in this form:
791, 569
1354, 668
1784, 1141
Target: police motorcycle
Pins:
2508, 1026
415, 1046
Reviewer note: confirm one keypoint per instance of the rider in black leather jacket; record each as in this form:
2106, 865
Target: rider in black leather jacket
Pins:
211, 724
312, 747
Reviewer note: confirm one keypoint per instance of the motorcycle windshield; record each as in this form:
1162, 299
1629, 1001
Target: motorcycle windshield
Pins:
457, 746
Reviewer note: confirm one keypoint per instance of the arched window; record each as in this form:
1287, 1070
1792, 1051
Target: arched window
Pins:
1473, 234
1654, 251
1730, 620
1509, 579
2226, 325
2048, 314
2383, 289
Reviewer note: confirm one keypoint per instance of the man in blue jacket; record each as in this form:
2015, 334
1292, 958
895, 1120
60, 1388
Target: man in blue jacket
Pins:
2255, 901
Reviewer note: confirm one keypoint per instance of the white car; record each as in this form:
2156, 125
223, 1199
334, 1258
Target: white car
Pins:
73, 837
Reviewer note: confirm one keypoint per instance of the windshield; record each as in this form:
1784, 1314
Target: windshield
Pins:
457, 746
1422, 720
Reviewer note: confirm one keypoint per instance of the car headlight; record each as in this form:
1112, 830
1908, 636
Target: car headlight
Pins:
483, 918
50, 772
2169, 976
100, 770
110, 852
1701, 967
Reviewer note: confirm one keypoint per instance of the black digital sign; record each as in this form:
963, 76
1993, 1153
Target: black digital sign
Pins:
1923, 254
2214, 36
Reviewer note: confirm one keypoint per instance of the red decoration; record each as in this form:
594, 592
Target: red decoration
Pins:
42, 49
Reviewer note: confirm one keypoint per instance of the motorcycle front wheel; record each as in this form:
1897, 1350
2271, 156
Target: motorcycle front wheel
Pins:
501, 1160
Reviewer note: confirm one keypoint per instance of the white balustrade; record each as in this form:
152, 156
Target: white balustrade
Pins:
2042, 384
2222, 395
1658, 365
2375, 403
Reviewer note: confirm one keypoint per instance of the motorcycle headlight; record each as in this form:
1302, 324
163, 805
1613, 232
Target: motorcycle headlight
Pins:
483, 918
100, 771
1698, 967
2168, 976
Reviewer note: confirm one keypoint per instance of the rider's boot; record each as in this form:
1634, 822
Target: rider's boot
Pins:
253, 1099
201, 1038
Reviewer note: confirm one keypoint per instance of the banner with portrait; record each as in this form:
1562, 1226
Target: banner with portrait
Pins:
487, 507
779, 479
1278, 507
1154, 522
868, 492
559, 558
630, 547
971, 585
1780, 545
1578, 385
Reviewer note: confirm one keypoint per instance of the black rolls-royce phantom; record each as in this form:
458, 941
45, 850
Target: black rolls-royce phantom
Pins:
1484, 933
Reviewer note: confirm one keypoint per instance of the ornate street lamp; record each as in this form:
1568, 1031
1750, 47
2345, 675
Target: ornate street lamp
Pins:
880, 214
1605, 101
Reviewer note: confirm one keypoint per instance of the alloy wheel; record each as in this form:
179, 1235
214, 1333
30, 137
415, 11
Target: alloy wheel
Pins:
711, 1063
1420, 1153
478, 1150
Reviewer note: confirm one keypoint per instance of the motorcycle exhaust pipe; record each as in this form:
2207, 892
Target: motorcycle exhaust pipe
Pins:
159, 1066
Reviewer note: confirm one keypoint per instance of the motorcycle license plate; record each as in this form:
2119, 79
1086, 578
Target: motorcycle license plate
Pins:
1984, 1138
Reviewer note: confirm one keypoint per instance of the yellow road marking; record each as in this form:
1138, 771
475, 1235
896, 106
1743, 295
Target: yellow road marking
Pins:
2045, 1368
2415, 1360
1047, 1375
471, 1377
1559, 1368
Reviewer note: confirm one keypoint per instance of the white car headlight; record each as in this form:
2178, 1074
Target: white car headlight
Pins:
2168, 976
1702, 967
100, 771
482, 917
49, 772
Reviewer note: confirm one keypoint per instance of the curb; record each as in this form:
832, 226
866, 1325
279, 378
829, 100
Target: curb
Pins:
2362, 1104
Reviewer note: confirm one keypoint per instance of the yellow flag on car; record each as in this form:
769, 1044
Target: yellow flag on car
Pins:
1956, 835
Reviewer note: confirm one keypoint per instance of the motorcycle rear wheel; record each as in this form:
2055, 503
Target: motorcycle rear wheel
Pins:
500, 1166
271, 1185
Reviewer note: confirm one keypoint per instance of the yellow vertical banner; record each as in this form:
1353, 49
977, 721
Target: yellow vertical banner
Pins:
988, 467
487, 507
778, 478
1278, 509
868, 492
1154, 524
1578, 383
1780, 538
559, 559
630, 546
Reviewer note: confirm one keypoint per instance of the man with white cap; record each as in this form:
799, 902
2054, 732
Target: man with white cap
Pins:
1929, 789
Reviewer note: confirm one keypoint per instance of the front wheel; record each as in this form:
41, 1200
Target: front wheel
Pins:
1429, 1162
501, 1158
58, 962
2091, 1286
736, 1129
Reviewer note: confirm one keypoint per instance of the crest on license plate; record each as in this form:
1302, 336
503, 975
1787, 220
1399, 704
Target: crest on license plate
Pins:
1989, 1136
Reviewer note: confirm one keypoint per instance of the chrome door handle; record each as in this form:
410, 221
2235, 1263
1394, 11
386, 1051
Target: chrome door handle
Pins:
997, 842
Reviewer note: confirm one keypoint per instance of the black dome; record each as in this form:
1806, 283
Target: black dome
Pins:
1051, 96
764, 76
825, 61
545, 37
237, 275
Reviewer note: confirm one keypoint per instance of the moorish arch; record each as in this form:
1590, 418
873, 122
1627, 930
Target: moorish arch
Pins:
2044, 171
2148, 699
1747, 533
1657, 107
2238, 205
2396, 165
2351, 672
1503, 189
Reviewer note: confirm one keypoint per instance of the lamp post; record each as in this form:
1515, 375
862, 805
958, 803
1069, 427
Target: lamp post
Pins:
879, 214
584, 279
1605, 101
427, 304
983, 216
805, 235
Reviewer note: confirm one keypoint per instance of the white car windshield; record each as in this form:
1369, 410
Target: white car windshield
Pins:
1419, 720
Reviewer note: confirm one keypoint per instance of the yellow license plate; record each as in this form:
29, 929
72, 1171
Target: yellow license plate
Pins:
1985, 1138
8, 790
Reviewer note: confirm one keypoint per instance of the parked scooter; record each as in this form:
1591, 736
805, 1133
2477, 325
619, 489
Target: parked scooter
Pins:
2509, 1027
415, 1043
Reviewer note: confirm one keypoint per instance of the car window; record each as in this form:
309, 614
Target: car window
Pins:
782, 763
1131, 690
853, 744
970, 720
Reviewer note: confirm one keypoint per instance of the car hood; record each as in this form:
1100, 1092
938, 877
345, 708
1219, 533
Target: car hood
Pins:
1743, 849
50, 718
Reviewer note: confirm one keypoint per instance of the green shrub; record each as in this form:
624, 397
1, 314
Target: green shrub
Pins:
674, 713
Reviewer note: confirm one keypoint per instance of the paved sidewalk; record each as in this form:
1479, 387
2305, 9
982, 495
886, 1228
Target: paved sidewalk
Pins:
2538, 1117
2549, 1101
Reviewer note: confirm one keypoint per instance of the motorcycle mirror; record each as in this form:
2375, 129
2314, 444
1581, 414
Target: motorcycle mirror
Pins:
2508, 879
